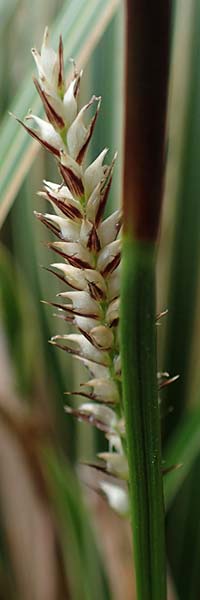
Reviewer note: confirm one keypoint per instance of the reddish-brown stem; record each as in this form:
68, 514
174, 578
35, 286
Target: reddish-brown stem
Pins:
147, 66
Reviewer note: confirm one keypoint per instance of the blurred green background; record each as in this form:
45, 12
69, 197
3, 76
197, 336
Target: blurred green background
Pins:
41, 502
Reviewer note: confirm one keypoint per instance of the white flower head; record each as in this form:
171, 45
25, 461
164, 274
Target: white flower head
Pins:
89, 256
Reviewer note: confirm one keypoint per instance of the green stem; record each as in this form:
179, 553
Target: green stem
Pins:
139, 368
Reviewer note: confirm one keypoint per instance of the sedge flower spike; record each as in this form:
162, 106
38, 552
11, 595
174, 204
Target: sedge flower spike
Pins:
89, 250
89, 254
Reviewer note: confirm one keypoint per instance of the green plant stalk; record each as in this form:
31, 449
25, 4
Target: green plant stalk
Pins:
146, 81
138, 347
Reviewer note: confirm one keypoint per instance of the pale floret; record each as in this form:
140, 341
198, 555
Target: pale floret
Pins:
69, 162
109, 228
112, 313
61, 191
70, 102
95, 283
105, 414
85, 232
73, 276
47, 132
117, 365
113, 284
78, 344
70, 231
82, 303
76, 254
60, 104
78, 134
104, 389
102, 337
94, 173
84, 280
95, 369
47, 64
72, 174
117, 497
116, 463
107, 256
115, 443
62, 200
84, 324
93, 204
